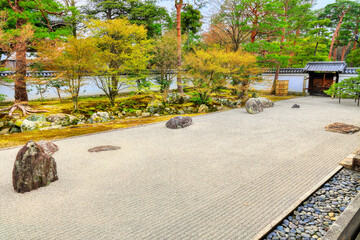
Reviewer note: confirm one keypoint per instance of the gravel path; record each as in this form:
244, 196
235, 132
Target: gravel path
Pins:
227, 176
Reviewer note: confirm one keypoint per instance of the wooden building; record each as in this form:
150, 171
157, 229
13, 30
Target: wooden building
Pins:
313, 79
322, 75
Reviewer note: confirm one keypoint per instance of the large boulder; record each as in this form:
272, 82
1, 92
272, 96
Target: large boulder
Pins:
265, 103
33, 168
100, 117
155, 107
178, 122
253, 106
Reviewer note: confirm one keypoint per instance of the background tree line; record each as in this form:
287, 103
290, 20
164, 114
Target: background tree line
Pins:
133, 36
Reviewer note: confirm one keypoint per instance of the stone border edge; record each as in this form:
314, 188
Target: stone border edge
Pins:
266, 230
347, 224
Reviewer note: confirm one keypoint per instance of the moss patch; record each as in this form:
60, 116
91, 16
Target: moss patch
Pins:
17, 139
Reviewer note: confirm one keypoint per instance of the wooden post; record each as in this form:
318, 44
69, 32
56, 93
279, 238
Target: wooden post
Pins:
304, 86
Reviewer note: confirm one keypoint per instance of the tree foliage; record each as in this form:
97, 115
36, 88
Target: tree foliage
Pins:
73, 60
123, 48
146, 13
214, 68
165, 59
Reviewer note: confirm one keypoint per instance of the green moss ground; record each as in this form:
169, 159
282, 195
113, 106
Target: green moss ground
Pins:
90, 105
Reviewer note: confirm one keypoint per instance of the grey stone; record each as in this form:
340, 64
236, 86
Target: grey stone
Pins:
253, 106
179, 122
295, 106
100, 117
265, 103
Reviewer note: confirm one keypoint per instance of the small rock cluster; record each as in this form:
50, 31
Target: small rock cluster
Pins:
177, 98
41, 122
34, 166
314, 217
228, 103
256, 105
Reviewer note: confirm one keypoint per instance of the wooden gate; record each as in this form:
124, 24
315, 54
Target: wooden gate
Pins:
320, 82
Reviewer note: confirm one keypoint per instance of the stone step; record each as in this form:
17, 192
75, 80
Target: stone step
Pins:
352, 161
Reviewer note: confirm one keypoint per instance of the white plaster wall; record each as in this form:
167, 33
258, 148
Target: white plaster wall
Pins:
296, 81
345, 76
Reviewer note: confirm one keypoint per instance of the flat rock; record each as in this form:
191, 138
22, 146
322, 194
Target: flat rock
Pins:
33, 168
342, 128
179, 122
104, 148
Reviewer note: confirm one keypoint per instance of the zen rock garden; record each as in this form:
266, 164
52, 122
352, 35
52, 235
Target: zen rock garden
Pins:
34, 165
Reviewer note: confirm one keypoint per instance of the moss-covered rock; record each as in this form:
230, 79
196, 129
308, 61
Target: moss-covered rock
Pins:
18, 122
100, 117
203, 109
155, 107
28, 125
36, 118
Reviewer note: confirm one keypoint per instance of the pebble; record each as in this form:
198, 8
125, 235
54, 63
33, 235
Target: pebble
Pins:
315, 216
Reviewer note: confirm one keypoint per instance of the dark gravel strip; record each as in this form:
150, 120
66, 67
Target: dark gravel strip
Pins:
313, 218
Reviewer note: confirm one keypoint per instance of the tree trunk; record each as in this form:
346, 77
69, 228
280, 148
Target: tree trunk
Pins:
345, 48
20, 75
178, 6
335, 55
336, 33
273, 89
356, 33
75, 103
316, 46
294, 44
58, 93
254, 32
